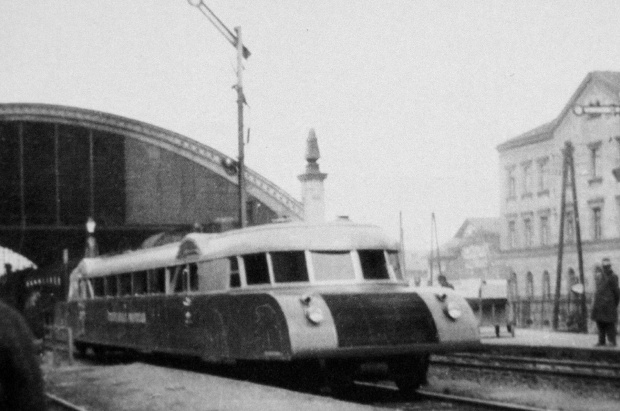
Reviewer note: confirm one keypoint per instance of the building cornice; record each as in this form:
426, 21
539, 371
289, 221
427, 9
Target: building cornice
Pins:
569, 248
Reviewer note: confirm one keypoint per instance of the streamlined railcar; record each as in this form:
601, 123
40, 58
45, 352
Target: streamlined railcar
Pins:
330, 293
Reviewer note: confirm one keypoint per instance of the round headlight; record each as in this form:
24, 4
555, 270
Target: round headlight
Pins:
314, 315
453, 311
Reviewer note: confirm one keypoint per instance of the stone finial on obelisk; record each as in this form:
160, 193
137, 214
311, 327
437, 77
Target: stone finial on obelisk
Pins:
312, 190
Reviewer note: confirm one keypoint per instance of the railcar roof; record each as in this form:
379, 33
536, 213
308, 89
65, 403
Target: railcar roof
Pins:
138, 260
337, 236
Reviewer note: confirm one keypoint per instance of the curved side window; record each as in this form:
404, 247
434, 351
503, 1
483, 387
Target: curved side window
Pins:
235, 277
256, 268
111, 286
124, 284
98, 286
157, 281
139, 282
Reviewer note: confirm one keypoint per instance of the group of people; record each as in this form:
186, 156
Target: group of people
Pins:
605, 306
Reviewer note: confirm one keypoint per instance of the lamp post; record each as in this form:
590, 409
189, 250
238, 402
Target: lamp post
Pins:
242, 52
92, 249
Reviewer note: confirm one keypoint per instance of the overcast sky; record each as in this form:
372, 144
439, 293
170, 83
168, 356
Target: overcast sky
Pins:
408, 98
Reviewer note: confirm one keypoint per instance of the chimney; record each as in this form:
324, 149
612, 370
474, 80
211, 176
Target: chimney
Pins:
312, 190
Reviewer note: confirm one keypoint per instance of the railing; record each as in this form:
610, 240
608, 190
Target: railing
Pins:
538, 312
59, 339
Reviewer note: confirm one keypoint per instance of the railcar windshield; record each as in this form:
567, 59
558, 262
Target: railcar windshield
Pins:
289, 266
332, 265
374, 266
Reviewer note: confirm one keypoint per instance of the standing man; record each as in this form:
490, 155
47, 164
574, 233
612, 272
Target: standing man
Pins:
605, 307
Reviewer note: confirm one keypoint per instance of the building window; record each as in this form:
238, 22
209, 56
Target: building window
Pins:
544, 230
527, 178
597, 223
512, 234
595, 162
543, 176
512, 183
527, 232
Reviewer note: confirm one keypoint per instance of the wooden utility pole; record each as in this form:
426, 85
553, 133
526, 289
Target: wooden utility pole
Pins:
583, 323
240, 103
569, 167
434, 243
558, 277
242, 53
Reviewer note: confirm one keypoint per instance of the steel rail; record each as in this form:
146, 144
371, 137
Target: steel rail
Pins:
544, 361
64, 403
496, 405
478, 402
575, 369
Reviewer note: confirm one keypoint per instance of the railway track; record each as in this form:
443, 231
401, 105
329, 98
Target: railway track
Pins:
532, 365
474, 403
59, 404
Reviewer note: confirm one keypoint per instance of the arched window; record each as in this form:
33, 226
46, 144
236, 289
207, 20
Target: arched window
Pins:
529, 290
513, 289
546, 286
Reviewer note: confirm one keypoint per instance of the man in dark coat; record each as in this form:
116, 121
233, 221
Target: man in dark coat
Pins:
605, 307
21, 382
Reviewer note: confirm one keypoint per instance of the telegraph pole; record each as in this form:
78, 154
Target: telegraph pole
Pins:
583, 323
569, 167
242, 52
240, 103
558, 277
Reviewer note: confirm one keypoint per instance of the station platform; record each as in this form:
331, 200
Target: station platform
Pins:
139, 387
549, 343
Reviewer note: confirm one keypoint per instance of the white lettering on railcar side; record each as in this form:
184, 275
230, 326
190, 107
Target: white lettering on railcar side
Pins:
122, 317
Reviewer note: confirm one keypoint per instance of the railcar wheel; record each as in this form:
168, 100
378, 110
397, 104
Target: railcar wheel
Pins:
409, 372
81, 349
307, 375
99, 351
339, 376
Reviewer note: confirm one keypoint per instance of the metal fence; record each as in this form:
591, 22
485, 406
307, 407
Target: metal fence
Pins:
538, 313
